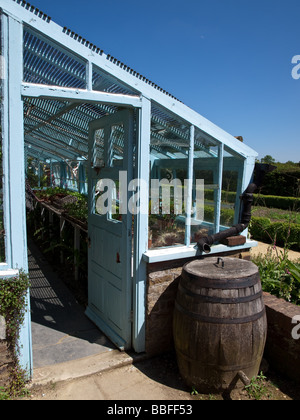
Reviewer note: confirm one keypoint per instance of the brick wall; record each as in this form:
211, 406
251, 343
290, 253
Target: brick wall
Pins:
4, 364
4, 361
161, 294
282, 350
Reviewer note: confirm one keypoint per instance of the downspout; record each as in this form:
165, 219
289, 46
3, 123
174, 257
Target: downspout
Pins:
247, 198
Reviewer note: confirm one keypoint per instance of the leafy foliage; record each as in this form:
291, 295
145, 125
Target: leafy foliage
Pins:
279, 276
13, 298
256, 389
284, 234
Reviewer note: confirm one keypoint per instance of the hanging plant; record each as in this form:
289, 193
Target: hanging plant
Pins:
13, 304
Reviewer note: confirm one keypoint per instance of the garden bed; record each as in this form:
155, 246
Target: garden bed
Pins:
71, 204
279, 275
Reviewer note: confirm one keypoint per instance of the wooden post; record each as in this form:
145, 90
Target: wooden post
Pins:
61, 228
76, 251
141, 229
189, 186
14, 167
218, 193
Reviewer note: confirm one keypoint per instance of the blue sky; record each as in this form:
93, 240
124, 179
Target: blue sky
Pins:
229, 60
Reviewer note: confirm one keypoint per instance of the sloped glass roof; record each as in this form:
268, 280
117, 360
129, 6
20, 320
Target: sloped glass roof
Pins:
56, 56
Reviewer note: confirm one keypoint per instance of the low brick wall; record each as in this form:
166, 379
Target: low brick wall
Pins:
160, 302
282, 350
5, 362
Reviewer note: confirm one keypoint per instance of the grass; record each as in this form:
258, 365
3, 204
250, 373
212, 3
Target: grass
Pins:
276, 215
279, 276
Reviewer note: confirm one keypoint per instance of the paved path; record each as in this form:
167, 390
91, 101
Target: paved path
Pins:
60, 330
116, 377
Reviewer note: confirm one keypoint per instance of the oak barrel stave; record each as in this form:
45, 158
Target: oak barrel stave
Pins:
219, 330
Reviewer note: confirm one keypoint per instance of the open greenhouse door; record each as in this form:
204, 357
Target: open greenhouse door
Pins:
110, 226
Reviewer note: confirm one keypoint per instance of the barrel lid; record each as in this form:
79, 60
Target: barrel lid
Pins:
221, 268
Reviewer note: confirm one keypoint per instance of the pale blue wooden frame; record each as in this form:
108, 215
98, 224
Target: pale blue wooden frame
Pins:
14, 170
16, 14
14, 153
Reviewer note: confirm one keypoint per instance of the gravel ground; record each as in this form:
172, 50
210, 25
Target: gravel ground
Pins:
263, 249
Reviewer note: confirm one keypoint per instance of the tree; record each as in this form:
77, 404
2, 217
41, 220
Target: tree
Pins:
268, 159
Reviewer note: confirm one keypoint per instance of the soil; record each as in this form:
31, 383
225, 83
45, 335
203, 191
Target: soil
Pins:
158, 379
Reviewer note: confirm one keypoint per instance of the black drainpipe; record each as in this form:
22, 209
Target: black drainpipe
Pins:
247, 199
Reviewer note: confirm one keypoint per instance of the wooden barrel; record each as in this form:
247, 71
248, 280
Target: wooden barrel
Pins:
220, 324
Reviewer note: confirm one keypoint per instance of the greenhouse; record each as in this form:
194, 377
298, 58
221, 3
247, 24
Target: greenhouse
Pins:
74, 118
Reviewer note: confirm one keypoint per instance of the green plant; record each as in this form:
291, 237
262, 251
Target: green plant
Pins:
257, 389
294, 270
279, 276
79, 209
285, 234
13, 299
194, 391
3, 394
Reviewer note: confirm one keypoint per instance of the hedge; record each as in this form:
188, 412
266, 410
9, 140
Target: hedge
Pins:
270, 201
283, 234
276, 202
283, 183
262, 229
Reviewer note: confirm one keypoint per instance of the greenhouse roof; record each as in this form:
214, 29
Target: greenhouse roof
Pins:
56, 127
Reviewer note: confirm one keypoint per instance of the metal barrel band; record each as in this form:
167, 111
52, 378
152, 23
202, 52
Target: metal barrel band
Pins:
220, 368
221, 284
224, 301
213, 320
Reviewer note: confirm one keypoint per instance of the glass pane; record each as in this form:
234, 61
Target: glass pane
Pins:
2, 230
106, 199
116, 146
104, 82
98, 160
47, 63
231, 189
169, 154
206, 172
229, 197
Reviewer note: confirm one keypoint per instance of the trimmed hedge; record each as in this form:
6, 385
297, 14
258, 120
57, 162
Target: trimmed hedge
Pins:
262, 229
282, 203
270, 201
227, 216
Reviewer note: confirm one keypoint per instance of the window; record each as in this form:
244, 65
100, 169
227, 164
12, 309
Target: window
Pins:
216, 173
206, 175
46, 63
231, 189
169, 155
